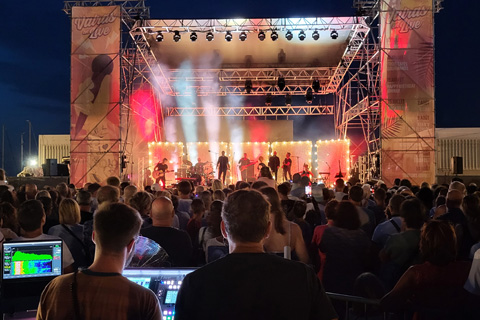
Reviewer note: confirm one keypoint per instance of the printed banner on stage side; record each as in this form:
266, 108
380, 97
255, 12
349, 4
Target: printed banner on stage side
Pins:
95, 94
407, 89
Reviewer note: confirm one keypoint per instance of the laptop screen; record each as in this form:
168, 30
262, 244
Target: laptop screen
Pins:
164, 282
24, 260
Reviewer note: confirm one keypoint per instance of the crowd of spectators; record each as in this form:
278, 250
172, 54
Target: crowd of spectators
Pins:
413, 244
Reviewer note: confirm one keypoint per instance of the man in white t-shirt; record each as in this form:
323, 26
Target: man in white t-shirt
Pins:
31, 218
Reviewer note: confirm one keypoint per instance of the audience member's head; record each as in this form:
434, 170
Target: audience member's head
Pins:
472, 188
412, 213
47, 205
454, 199
245, 217
84, 198
63, 190
123, 185
366, 188
69, 212
142, 202
356, 194
471, 208
438, 243
31, 215
347, 216
257, 185
425, 195
265, 172
457, 185
218, 195
299, 209
284, 189
396, 182
198, 207
243, 185
296, 178
42, 193
128, 193
162, 211
206, 197
30, 191
113, 181
8, 215
331, 209
93, 188
275, 208
380, 195
115, 227
395, 203
214, 218
339, 185
406, 183
184, 188
217, 184
108, 194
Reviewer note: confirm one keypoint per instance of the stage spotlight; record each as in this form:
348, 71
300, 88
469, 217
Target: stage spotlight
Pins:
309, 96
281, 83
274, 36
209, 36
288, 100
316, 85
193, 36
289, 35
176, 36
268, 99
32, 162
159, 36
228, 36
261, 35
334, 34
315, 35
243, 36
302, 35
248, 86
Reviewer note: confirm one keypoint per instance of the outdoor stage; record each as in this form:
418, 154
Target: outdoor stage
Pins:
195, 83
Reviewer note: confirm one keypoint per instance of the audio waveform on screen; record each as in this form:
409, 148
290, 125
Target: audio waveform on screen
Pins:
31, 263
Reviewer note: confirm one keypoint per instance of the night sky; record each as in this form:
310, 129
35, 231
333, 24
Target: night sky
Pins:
35, 59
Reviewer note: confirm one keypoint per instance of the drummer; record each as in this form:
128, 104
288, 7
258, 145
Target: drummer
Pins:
199, 166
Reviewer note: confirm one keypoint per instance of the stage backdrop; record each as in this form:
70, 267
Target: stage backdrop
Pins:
333, 157
407, 90
301, 153
193, 129
95, 94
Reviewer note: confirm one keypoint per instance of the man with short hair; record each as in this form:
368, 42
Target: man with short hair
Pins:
367, 217
339, 187
30, 191
184, 191
454, 212
222, 166
176, 243
84, 199
101, 292
248, 283
108, 194
274, 164
31, 217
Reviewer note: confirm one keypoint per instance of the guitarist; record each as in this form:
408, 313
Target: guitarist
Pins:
287, 167
243, 163
159, 172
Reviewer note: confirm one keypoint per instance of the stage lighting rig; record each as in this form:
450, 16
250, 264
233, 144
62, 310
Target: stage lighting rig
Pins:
274, 36
243, 36
209, 36
193, 36
315, 35
288, 100
302, 35
289, 35
177, 36
261, 35
316, 85
281, 83
268, 99
248, 86
309, 96
334, 34
228, 36
159, 36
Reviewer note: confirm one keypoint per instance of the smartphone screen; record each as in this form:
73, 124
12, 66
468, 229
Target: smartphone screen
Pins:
308, 191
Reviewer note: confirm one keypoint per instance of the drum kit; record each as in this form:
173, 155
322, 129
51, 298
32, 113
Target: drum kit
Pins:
201, 172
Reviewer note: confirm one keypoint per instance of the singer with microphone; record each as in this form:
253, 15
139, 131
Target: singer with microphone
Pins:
222, 167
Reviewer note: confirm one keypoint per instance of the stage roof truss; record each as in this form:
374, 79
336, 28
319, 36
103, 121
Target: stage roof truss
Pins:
253, 111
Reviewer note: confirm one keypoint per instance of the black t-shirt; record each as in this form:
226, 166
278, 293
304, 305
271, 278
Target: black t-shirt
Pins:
161, 167
274, 162
177, 243
287, 163
253, 286
223, 162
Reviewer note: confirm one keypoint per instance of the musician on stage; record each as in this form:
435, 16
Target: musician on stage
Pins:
274, 164
199, 166
306, 172
287, 167
243, 163
260, 166
222, 166
159, 172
